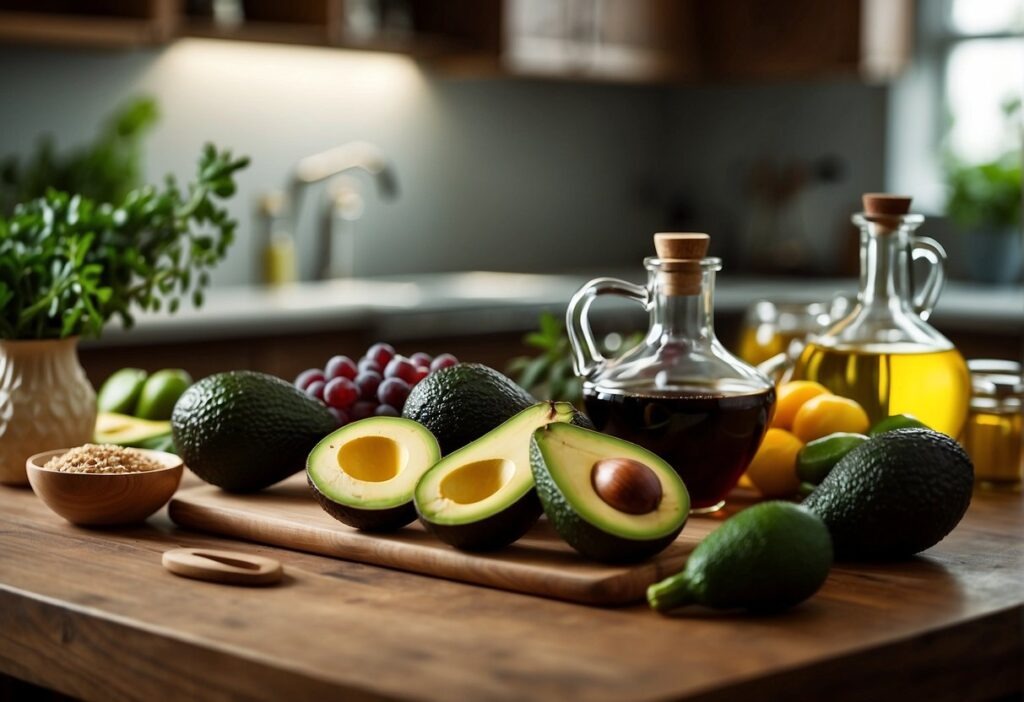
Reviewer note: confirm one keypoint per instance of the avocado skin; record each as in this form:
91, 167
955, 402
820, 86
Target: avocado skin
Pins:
243, 431
590, 541
495, 532
389, 519
460, 404
895, 495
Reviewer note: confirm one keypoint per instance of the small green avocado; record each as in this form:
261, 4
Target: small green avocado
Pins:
897, 421
611, 500
120, 392
364, 474
482, 497
159, 393
767, 558
818, 457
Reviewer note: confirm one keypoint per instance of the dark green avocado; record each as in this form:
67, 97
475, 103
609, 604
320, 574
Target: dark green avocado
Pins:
243, 431
460, 404
481, 497
894, 495
611, 500
364, 474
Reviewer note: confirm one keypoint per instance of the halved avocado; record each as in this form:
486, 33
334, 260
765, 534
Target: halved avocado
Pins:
364, 474
611, 500
481, 497
125, 430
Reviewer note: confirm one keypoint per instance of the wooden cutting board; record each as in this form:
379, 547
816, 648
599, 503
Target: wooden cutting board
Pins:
540, 563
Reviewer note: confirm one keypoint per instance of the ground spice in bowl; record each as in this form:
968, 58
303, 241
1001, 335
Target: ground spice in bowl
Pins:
102, 458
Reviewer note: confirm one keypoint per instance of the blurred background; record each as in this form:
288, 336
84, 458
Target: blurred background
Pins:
545, 140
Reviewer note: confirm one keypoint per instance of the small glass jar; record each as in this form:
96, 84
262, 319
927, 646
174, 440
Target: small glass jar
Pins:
993, 433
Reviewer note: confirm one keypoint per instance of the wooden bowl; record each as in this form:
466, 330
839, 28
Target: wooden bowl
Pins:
105, 499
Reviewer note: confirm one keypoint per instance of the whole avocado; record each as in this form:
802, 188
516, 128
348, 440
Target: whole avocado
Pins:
895, 495
462, 403
243, 431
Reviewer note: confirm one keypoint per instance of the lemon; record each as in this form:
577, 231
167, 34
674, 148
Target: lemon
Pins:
773, 470
829, 414
791, 397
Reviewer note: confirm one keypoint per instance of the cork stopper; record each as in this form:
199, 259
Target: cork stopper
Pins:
682, 246
681, 254
886, 205
886, 210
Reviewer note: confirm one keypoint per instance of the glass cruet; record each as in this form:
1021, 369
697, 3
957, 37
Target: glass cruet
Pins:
679, 393
884, 354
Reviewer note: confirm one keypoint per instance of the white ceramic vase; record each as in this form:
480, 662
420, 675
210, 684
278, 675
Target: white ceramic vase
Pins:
46, 402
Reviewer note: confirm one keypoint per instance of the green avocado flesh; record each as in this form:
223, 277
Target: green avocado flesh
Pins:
364, 474
563, 459
125, 430
482, 497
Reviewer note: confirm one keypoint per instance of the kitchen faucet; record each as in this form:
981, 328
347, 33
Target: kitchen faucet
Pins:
344, 204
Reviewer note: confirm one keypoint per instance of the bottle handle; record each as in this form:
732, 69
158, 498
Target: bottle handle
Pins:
930, 250
586, 357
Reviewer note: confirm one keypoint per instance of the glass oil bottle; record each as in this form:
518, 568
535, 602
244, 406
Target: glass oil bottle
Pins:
679, 393
884, 354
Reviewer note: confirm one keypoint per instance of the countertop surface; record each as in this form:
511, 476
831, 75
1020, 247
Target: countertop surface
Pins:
93, 614
486, 302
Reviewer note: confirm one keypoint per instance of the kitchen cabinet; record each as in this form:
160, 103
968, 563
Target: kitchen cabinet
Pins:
646, 41
93, 23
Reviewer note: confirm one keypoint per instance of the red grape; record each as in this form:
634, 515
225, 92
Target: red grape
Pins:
421, 373
386, 411
420, 359
381, 353
306, 377
316, 390
340, 367
362, 410
339, 416
401, 368
393, 391
445, 360
368, 364
340, 393
367, 382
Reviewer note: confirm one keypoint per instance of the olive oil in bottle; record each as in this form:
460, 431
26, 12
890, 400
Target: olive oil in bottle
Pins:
932, 385
884, 354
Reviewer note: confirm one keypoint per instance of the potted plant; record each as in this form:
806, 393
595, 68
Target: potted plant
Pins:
69, 264
985, 202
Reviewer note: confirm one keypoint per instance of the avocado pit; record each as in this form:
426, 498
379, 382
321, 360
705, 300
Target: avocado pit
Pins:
626, 484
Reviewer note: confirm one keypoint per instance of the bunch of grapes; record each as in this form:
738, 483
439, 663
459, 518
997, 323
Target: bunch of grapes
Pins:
375, 385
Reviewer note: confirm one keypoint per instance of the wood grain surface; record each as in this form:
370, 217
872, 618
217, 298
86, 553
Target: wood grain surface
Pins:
94, 614
540, 563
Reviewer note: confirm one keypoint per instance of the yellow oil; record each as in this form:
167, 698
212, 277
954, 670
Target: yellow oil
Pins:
933, 386
757, 345
994, 442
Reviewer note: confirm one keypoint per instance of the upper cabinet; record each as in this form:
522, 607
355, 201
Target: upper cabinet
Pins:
100, 23
611, 40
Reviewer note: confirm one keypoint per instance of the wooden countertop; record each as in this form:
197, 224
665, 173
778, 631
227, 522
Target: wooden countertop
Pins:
93, 614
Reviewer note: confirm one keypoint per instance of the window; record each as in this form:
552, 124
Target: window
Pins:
983, 77
968, 69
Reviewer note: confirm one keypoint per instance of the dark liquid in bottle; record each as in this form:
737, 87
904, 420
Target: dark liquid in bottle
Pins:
708, 437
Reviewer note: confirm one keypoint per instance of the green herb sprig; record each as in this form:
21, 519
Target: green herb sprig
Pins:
550, 373
105, 169
69, 264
